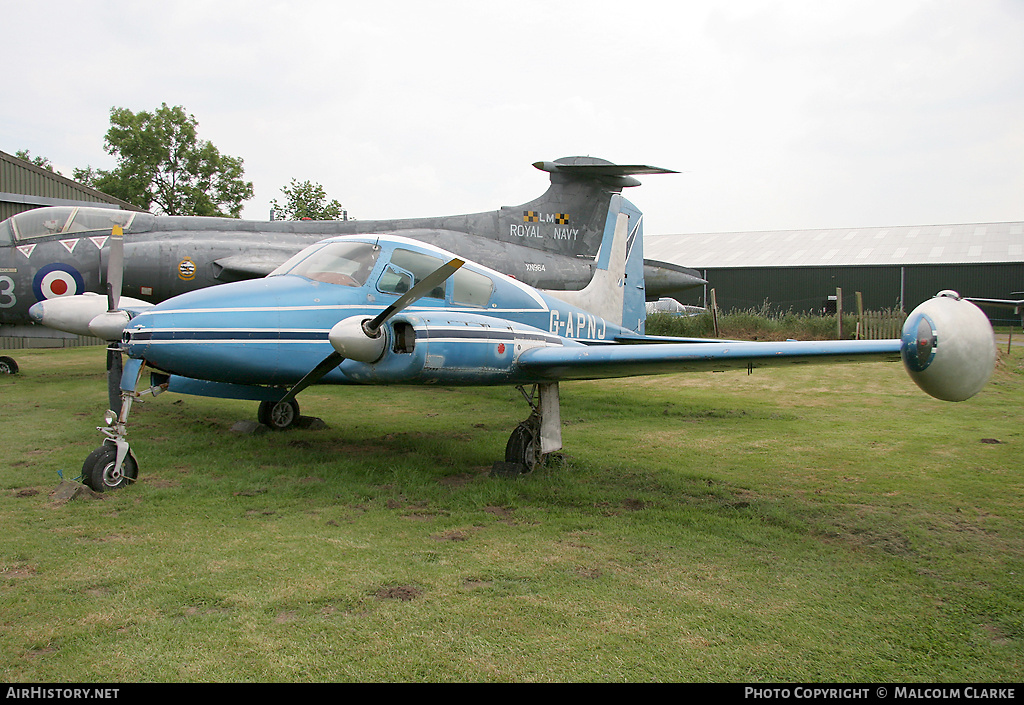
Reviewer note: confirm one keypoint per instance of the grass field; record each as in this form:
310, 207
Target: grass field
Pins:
806, 524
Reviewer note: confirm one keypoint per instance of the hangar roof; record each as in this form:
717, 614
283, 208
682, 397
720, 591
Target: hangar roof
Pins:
975, 243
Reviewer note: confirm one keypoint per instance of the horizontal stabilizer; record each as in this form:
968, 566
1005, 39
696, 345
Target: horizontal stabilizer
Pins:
588, 167
603, 169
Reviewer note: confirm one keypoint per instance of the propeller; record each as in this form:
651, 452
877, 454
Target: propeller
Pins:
115, 267
360, 338
110, 325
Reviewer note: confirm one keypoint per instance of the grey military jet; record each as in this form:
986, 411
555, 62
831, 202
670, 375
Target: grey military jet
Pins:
549, 243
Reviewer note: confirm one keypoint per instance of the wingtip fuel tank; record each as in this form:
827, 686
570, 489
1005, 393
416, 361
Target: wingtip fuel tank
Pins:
948, 347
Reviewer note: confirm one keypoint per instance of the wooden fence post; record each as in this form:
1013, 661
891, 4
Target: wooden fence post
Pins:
714, 313
839, 313
860, 314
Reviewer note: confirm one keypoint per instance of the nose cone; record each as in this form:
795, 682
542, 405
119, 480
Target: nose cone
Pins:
70, 314
662, 279
35, 312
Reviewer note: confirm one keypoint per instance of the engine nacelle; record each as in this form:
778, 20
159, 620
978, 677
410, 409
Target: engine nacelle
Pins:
948, 347
351, 340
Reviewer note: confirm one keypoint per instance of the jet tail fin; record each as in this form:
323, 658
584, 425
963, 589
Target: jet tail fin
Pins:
570, 217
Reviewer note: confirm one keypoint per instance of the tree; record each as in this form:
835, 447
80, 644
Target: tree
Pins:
41, 162
162, 165
307, 200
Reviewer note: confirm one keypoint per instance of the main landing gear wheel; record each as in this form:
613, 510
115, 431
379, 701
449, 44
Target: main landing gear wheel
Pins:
277, 415
8, 366
100, 474
523, 447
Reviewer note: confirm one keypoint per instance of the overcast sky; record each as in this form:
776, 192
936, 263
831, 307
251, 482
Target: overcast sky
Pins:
799, 114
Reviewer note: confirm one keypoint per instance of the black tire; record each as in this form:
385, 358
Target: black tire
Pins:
8, 366
522, 447
98, 470
277, 415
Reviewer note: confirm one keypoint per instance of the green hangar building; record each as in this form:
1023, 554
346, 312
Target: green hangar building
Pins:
893, 268
24, 186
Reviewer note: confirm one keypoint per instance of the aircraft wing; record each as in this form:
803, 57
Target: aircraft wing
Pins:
662, 339
598, 362
1005, 303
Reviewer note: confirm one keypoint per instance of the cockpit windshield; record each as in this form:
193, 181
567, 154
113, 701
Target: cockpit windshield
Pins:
61, 220
345, 263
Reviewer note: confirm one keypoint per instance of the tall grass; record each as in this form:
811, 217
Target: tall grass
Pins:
762, 323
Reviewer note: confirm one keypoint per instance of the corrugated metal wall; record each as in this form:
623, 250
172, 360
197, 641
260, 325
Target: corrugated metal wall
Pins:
807, 288
19, 178
11, 342
9, 209
801, 288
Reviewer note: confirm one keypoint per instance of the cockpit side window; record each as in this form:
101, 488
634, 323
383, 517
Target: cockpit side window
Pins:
417, 264
345, 263
40, 222
61, 220
394, 280
471, 288
6, 236
87, 219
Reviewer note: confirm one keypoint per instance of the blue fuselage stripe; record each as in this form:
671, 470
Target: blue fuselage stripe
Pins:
285, 336
236, 335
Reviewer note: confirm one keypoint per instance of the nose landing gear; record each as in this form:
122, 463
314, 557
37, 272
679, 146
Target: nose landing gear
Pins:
113, 465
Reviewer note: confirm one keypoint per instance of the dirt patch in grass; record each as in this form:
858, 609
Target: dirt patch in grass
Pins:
405, 593
500, 512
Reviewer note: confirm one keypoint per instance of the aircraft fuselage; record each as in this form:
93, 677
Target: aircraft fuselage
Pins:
272, 331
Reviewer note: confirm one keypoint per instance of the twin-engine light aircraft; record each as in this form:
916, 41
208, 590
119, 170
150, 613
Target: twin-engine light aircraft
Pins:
391, 310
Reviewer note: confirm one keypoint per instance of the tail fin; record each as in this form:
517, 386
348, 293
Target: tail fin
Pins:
570, 217
634, 300
616, 291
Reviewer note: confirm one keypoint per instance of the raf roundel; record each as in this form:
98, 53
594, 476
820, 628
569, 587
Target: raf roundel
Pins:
56, 280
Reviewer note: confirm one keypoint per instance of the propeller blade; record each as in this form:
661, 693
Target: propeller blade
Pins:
422, 288
314, 375
115, 268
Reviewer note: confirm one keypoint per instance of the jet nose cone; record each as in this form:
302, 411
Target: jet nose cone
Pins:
35, 312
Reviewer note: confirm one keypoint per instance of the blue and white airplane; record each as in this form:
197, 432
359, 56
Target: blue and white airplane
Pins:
382, 309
